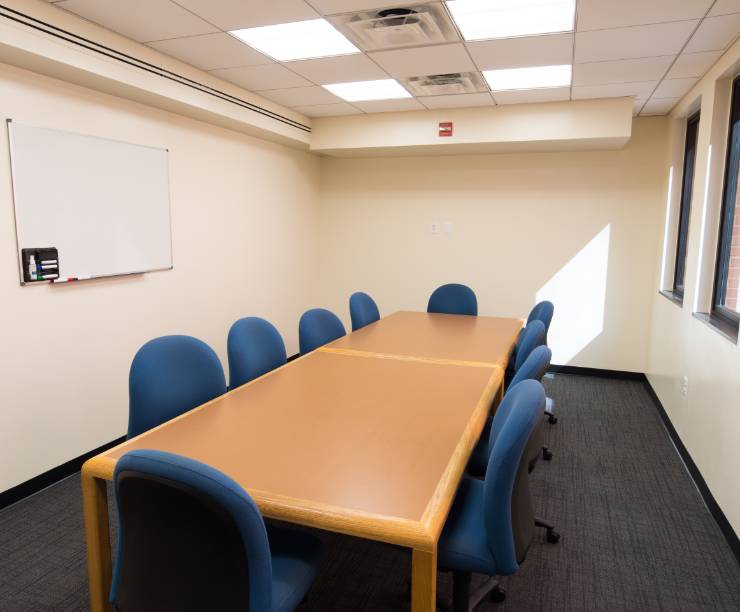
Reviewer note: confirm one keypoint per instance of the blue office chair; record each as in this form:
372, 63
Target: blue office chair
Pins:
191, 539
363, 310
255, 348
532, 336
543, 311
534, 368
171, 375
453, 299
491, 522
318, 327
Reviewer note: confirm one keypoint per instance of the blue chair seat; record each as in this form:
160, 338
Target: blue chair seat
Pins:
463, 544
295, 560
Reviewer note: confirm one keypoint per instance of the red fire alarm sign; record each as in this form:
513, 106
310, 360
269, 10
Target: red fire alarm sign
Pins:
445, 128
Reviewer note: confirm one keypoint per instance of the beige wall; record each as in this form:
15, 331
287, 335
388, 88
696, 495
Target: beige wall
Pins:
707, 417
575, 227
67, 350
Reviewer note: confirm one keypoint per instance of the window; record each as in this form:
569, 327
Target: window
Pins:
689, 160
726, 298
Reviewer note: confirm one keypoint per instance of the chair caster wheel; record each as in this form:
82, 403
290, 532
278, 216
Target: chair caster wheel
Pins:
547, 454
497, 594
552, 419
553, 537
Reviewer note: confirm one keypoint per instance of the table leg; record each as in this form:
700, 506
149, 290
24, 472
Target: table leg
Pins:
97, 534
423, 581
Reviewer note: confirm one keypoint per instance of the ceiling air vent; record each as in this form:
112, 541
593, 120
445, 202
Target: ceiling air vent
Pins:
441, 84
397, 27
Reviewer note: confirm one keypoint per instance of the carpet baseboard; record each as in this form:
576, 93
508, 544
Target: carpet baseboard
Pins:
52, 476
581, 371
719, 516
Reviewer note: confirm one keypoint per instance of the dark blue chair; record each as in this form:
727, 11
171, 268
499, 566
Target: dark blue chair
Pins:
453, 299
491, 522
542, 311
532, 336
191, 539
363, 310
171, 375
318, 327
254, 347
534, 368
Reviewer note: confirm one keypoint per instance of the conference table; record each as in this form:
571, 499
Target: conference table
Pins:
367, 436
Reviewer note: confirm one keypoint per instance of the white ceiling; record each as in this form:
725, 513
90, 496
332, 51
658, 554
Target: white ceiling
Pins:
651, 50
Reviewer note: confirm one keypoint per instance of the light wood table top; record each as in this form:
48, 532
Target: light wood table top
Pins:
421, 335
368, 442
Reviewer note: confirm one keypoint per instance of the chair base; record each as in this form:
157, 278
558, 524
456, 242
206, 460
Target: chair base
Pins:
553, 537
546, 454
550, 411
465, 601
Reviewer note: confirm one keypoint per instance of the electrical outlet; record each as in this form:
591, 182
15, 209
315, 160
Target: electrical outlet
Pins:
685, 387
435, 227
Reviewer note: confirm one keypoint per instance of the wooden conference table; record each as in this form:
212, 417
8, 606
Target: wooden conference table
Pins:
367, 436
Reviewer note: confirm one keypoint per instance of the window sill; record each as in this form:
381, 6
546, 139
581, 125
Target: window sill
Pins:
724, 329
673, 297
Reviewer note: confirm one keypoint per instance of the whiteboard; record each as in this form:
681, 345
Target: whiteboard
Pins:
103, 204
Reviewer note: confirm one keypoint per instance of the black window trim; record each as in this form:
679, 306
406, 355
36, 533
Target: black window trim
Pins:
682, 234
725, 315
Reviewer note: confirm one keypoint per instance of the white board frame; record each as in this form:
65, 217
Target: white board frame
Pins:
19, 246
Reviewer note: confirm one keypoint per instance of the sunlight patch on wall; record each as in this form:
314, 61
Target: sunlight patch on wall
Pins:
578, 291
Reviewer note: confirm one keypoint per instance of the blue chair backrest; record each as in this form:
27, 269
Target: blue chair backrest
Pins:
318, 327
190, 538
453, 299
255, 347
542, 311
363, 310
534, 367
531, 337
171, 375
518, 415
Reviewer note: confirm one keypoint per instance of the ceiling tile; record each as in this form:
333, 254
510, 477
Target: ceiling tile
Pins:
524, 96
340, 69
423, 61
725, 7
334, 7
621, 71
614, 90
522, 51
628, 43
271, 76
693, 64
658, 106
211, 51
301, 96
674, 88
715, 33
236, 14
604, 14
141, 20
328, 110
637, 105
387, 106
457, 100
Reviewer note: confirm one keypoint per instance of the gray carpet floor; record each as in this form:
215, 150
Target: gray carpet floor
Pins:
635, 532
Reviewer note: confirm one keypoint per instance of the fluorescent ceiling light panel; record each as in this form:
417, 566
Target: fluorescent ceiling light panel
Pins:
383, 89
297, 40
535, 77
486, 19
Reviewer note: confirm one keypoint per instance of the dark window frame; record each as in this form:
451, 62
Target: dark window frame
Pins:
725, 315
687, 184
